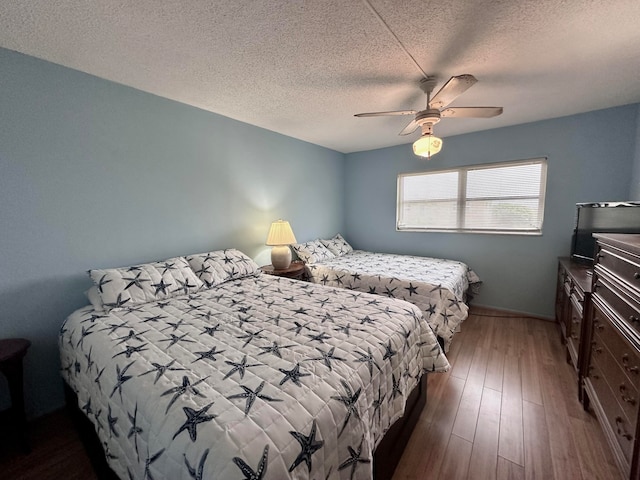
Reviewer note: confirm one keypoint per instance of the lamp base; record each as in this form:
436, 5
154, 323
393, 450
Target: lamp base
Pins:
281, 257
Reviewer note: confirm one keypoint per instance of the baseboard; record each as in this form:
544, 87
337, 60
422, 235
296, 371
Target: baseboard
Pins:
501, 311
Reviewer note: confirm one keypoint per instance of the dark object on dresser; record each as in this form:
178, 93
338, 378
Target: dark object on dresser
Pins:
612, 346
12, 352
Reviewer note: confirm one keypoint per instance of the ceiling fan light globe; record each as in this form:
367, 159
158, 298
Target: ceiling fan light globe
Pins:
427, 145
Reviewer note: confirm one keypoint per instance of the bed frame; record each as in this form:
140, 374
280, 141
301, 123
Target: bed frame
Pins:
386, 456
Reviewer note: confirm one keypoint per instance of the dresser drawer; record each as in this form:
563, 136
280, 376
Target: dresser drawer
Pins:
624, 354
627, 309
622, 387
615, 417
624, 265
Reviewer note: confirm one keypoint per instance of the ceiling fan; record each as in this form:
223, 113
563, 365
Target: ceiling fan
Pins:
428, 144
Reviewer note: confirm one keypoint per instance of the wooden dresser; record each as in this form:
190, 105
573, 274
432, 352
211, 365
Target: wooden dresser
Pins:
573, 308
611, 341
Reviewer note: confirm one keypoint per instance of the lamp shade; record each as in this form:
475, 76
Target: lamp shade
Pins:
427, 145
280, 233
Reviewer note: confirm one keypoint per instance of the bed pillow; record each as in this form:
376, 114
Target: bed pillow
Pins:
220, 266
123, 287
93, 294
312, 252
338, 245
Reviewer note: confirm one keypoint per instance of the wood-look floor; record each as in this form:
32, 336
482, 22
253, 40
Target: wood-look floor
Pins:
508, 409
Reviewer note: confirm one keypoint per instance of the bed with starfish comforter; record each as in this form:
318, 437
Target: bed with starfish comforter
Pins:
437, 286
210, 369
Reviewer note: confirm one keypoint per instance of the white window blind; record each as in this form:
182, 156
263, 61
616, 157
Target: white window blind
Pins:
495, 198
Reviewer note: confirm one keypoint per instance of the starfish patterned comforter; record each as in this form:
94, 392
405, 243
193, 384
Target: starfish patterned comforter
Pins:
436, 286
258, 377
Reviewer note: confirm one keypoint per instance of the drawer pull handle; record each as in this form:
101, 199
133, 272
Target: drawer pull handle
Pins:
634, 319
598, 325
621, 430
597, 350
636, 275
624, 396
631, 369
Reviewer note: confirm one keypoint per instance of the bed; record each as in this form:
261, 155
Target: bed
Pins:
203, 367
438, 287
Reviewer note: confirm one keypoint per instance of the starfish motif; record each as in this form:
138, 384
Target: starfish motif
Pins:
112, 423
194, 418
211, 330
118, 303
350, 401
160, 369
122, 378
161, 287
84, 333
320, 337
154, 318
368, 359
327, 357
147, 463
354, 459
197, 474
308, 446
210, 355
250, 336
173, 325
412, 290
134, 430
131, 350
396, 386
439, 289
248, 472
389, 352
131, 336
294, 375
175, 339
97, 379
182, 389
252, 395
184, 286
377, 403
275, 349
135, 281
102, 282
239, 367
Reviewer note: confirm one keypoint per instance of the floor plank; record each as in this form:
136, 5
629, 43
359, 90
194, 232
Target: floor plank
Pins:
510, 379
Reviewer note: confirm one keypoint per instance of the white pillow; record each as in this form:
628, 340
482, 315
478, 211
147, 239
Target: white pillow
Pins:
338, 245
312, 252
122, 287
220, 266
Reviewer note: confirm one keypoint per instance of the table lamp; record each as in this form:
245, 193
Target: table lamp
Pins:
280, 237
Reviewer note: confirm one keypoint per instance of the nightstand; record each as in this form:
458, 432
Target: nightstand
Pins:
12, 351
296, 271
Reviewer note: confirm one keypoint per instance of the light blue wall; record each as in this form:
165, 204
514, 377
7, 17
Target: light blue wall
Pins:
590, 158
95, 174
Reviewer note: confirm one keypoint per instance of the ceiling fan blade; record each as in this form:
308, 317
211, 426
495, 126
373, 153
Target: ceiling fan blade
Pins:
471, 112
409, 129
380, 114
452, 89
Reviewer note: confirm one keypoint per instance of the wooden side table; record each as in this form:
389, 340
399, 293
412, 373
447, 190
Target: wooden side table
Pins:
12, 351
296, 271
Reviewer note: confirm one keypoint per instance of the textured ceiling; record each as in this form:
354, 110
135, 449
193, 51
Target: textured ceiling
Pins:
304, 68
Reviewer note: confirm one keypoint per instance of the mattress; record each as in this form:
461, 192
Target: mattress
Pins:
437, 286
257, 377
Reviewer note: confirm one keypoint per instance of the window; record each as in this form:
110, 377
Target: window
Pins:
496, 198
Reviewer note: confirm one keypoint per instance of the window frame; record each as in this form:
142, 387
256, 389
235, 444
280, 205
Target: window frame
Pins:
462, 199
